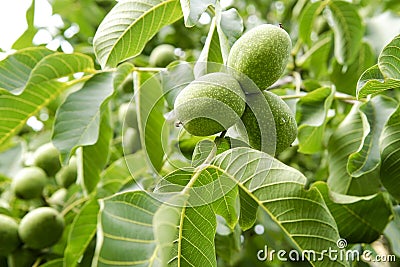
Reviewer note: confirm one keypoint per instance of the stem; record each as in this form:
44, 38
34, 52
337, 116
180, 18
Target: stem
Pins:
338, 96
73, 205
145, 69
222, 135
298, 80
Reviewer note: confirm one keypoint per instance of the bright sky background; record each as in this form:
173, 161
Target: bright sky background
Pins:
13, 19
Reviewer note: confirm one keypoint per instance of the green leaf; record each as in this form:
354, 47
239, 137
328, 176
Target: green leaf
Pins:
123, 74
389, 59
77, 120
315, 59
205, 149
392, 232
25, 40
210, 59
375, 114
372, 82
227, 243
174, 79
82, 232
95, 157
306, 20
248, 210
279, 190
152, 124
59, 65
53, 263
390, 154
311, 112
16, 69
35, 66
16, 110
345, 77
125, 230
358, 219
185, 235
121, 172
343, 142
192, 10
226, 27
348, 31
127, 28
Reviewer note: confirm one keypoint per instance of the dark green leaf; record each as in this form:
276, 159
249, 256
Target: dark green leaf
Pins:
127, 28
375, 114
306, 20
152, 124
392, 232
78, 118
125, 230
279, 190
185, 234
390, 154
121, 172
311, 112
389, 59
343, 142
372, 82
95, 157
82, 232
358, 219
346, 77
348, 29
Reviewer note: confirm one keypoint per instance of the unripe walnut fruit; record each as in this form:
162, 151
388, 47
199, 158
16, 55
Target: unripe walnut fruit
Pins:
41, 228
269, 123
261, 54
210, 104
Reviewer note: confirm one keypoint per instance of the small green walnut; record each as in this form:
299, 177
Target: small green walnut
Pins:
261, 54
29, 183
41, 228
210, 104
9, 239
162, 55
67, 175
268, 123
22, 257
131, 141
47, 157
127, 115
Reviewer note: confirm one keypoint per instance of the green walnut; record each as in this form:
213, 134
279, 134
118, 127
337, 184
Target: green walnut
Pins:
127, 115
261, 54
41, 228
131, 141
210, 104
9, 239
268, 123
162, 55
47, 157
22, 257
67, 175
29, 183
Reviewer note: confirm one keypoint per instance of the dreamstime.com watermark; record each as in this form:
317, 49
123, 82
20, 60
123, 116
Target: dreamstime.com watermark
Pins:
333, 254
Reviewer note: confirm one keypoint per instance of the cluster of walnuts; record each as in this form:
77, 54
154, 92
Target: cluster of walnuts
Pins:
42, 227
237, 97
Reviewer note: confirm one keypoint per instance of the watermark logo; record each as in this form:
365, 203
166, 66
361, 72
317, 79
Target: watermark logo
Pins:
338, 253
